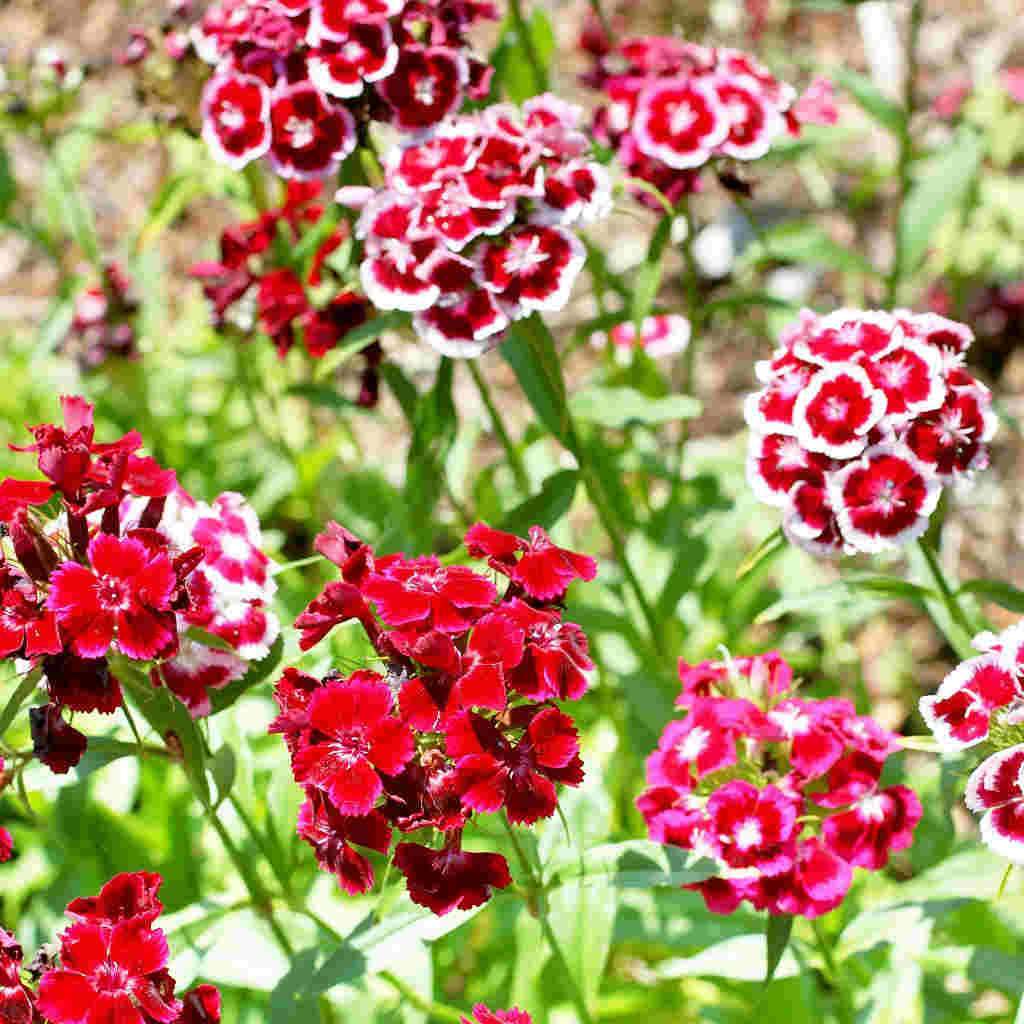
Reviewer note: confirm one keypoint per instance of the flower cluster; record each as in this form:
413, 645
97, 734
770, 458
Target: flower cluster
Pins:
783, 793
111, 966
103, 321
863, 417
107, 557
294, 78
461, 717
660, 335
673, 106
982, 701
484, 1015
473, 228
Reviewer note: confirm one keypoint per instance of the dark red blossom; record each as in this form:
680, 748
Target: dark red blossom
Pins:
200, 1006
15, 999
58, 745
450, 878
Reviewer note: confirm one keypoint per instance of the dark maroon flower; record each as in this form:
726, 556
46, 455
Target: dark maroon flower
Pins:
425, 86
200, 1006
451, 878
309, 137
15, 999
81, 684
59, 746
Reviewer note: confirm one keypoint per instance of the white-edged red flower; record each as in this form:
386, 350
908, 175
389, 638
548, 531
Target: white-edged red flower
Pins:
861, 419
236, 118
474, 227
681, 122
995, 790
309, 137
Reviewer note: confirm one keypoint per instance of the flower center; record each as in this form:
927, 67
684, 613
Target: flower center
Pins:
423, 91
523, 257
350, 746
113, 593
836, 408
748, 835
300, 130
693, 744
872, 808
110, 977
231, 117
682, 118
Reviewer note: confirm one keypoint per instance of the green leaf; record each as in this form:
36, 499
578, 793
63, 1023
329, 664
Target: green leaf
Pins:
8, 186
632, 864
619, 407
24, 690
530, 350
648, 276
882, 587
942, 185
774, 543
1003, 594
871, 100
258, 673
804, 242
741, 958
344, 966
323, 395
546, 507
778, 929
513, 60
223, 771
402, 388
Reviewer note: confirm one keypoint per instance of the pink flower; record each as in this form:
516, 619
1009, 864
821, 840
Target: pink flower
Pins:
878, 823
355, 736
1013, 82
661, 335
483, 1015
817, 104
753, 828
125, 595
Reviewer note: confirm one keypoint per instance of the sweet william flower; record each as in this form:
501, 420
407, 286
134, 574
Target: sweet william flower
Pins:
200, 1006
15, 1000
995, 790
109, 974
356, 737
54, 742
6, 851
450, 878
124, 597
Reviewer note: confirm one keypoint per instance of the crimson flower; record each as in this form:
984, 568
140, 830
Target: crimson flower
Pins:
110, 973
200, 1006
450, 878
15, 1000
125, 595
27, 628
58, 745
540, 567
483, 1015
354, 737
423, 593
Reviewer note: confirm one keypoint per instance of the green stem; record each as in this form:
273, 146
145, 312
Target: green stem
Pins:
845, 1009
954, 609
906, 153
436, 1011
691, 287
525, 39
515, 460
537, 903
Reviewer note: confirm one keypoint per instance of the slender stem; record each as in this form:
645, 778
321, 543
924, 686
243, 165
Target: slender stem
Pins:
949, 599
691, 286
906, 153
515, 460
538, 903
436, 1011
845, 1010
525, 38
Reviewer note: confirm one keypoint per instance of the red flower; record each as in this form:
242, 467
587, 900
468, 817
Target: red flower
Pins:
835, 411
556, 660
483, 1015
15, 1000
754, 828
680, 122
334, 837
953, 439
425, 86
124, 898
338, 602
878, 823
817, 883
754, 121
82, 684
492, 773
236, 118
109, 973
885, 499
450, 878
200, 1006
423, 593
310, 137
125, 595
27, 628
6, 850
58, 745
996, 791
541, 568
341, 67
355, 736
397, 251
17, 495
960, 712
323, 329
